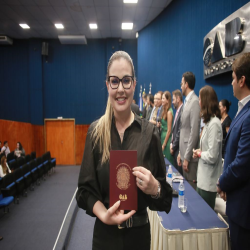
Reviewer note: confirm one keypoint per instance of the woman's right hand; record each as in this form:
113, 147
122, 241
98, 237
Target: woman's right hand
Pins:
113, 215
158, 124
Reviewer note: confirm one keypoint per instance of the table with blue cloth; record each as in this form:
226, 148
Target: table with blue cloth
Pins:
200, 228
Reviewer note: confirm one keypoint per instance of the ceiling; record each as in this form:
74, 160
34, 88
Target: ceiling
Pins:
75, 15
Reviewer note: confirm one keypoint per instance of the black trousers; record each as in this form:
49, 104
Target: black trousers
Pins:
240, 237
107, 237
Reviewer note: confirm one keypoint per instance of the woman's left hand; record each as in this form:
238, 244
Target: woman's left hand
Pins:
145, 180
196, 153
163, 147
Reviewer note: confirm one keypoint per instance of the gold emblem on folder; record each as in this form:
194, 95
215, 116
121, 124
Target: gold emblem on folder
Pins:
123, 176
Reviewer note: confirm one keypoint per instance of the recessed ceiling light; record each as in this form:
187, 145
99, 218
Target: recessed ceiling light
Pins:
59, 26
130, 1
137, 35
24, 26
93, 26
127, 26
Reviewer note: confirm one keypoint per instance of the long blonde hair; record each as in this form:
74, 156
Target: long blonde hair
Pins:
101, 132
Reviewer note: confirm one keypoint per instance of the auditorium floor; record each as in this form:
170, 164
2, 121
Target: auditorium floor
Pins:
35, 222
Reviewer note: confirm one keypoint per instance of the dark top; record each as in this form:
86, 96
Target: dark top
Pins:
226, 123
93, 183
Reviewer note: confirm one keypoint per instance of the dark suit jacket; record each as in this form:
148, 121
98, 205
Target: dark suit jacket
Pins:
135, 109
144, 111
176, 131
235, 180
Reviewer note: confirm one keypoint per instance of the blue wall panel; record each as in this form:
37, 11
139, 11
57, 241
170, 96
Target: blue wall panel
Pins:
74, 81
173, 44
14, 75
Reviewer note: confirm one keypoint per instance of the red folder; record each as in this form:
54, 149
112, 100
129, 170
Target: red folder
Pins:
122, 183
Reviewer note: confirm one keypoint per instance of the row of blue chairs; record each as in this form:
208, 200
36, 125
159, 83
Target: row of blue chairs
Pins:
24, 177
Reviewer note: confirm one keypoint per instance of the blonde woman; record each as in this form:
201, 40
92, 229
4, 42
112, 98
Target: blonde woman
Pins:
120, 129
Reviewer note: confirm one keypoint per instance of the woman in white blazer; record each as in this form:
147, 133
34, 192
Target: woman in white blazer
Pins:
210, 151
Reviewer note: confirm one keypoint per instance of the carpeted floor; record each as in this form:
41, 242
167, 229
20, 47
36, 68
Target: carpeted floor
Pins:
82, 232
36, 221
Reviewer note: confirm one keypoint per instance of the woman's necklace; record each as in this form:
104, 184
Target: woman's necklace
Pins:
121, 133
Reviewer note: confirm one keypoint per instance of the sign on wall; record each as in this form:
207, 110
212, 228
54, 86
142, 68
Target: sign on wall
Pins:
225, 42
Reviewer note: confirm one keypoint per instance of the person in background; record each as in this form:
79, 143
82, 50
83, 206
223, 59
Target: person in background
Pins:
234, 183
0, 146
225, 121
19, 151
190, 129
166, 125
150, 105
144, 111
174, 145
120, 129
210, 150
5, 149
157, 104
4, 168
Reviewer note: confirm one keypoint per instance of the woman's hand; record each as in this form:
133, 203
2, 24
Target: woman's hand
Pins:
158, 124
113, 215
163, 147
145, 180
196, 153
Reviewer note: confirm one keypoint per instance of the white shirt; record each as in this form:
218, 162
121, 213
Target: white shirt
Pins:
188, 96
5, 150
242, 103
1, 170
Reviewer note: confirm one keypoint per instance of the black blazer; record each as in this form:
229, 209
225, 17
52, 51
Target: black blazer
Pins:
176, 131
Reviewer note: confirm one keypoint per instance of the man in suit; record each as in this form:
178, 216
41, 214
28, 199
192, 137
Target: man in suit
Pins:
190, 128
174, 146
144, 111
234, 183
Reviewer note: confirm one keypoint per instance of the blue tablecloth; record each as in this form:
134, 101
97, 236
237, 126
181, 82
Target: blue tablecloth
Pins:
198, 216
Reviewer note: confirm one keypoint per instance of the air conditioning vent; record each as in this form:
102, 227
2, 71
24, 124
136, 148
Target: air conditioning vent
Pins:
4, 40
72, 39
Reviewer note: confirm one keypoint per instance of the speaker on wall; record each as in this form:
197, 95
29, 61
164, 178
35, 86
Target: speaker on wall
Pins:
45, 49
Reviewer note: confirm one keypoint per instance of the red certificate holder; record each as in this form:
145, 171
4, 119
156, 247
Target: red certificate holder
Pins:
122, 182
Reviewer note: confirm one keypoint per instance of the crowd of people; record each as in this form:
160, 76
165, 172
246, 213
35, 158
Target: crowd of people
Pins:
5, 150
195, 140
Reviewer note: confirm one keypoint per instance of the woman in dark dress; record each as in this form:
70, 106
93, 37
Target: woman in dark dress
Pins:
120, 129
224, 106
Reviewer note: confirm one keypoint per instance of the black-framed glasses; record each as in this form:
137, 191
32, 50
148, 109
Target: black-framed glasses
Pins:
126, 81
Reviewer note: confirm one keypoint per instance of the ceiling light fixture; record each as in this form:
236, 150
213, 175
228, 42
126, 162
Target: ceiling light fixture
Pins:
24, 26
59, 26
93, 26
130, 1
137, 35
127, 26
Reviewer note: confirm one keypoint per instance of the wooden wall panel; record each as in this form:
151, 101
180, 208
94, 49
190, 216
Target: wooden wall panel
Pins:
60, 140
31, 136
81, 133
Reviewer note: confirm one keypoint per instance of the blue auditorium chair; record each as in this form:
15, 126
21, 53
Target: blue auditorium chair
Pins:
9, 186
13, 165
41, 168
27, 158
33, 155
5, 201
20, 183
34, 172
10, 156
27, 177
